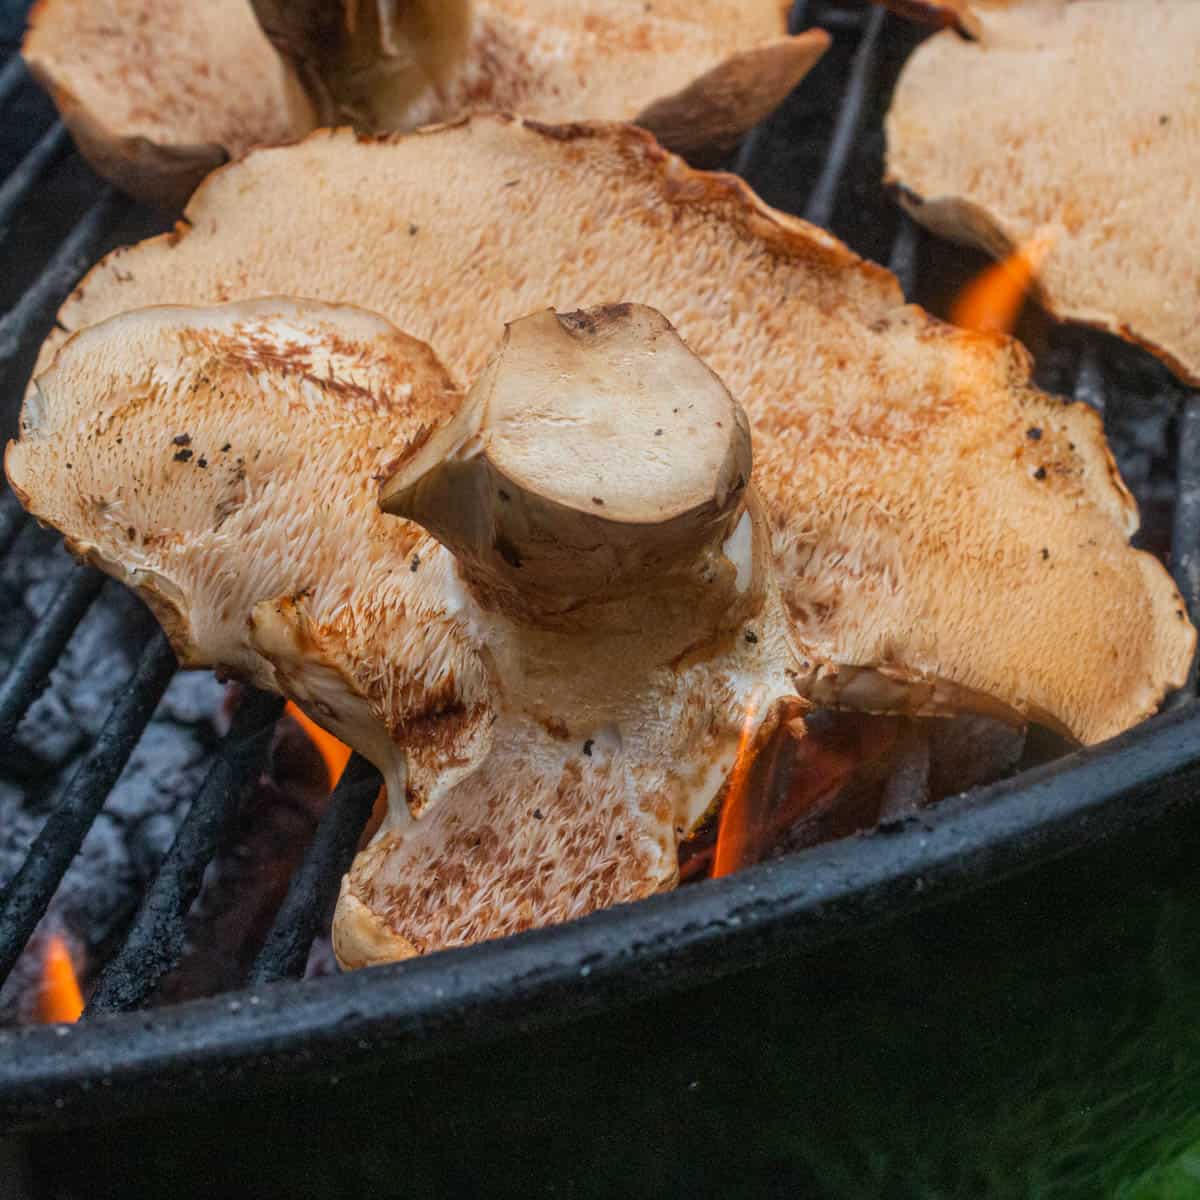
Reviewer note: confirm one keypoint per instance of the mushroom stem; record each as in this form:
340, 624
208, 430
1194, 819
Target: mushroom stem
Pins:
595, 476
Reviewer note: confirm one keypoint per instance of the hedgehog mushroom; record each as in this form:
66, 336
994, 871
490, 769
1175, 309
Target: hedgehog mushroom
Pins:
159, 92
156, 93
557, 693
594, 492
697, 73
1077, 120
946, 537
180, 450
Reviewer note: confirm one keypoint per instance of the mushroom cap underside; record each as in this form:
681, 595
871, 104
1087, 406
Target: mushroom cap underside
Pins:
224, 462
1077, 125
945, 535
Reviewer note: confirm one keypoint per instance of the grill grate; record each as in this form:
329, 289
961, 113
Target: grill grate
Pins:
155, 939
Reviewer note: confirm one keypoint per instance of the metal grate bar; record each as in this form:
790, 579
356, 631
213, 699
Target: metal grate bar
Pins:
819, 209
1185, 537
77, 252
313, 886
838, 20
1089, 380
26, 898
12, 75
752, 142
12, 520
748, 152
798, 19
902, 261
156, 940
29, 673
28, 172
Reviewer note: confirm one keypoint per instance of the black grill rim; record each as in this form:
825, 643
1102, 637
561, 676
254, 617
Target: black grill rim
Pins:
125, 1063
137, 1063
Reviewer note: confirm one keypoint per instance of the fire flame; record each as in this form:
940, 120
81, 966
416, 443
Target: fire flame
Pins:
992, 301
734, 830
60, 999
822, 769
336, 754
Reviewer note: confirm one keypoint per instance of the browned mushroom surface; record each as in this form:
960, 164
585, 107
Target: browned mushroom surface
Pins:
158, 92
1079, 122
697, 74
945, 535
559, 696
158, 468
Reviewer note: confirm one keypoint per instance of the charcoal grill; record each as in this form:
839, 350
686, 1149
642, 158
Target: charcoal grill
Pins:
702, 977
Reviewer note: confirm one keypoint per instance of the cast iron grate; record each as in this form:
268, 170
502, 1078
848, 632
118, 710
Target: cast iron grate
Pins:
154, 940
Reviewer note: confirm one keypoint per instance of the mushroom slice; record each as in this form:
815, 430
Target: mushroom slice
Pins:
569, 679
1077, 121
156, 93
947, 537
220, 462
697, 74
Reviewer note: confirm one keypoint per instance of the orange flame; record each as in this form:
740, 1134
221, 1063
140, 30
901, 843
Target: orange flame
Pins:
733, 832
992, 301
336, 754
822, 768
60, 999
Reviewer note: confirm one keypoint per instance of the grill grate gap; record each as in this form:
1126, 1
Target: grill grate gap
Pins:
30, 169
315, 884
28, 674
155, 942
12, 520
28, 895
1089, 381
36, 307
902, 261
821, 203
12, 75
1185, 538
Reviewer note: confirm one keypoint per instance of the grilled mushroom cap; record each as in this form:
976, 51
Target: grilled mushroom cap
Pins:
594, 492
946, 536
1075, 119
223, 462
698, 74
156, 93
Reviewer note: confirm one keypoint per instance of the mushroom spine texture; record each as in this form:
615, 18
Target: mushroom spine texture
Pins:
554, 688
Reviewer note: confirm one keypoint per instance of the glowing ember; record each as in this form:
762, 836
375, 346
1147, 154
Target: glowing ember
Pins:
992, 301
336, 754
737, 821
60, 999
